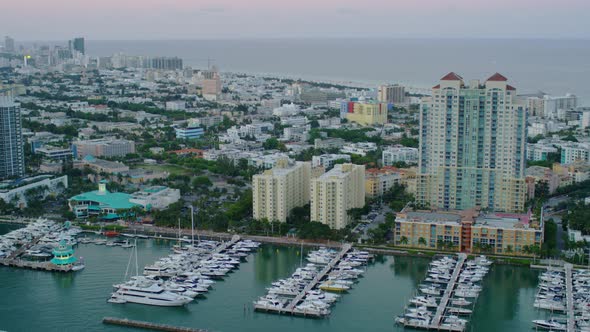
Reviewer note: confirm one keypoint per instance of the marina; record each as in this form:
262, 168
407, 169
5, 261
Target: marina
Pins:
564, 292
452, 285
309, 291
187, 273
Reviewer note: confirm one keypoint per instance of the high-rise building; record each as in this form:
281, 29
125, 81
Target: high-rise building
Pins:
365, 114
166, 63
472, 146
12, 158
395, 94
9, 45
335, 192
103, 147
278, 190
78, 45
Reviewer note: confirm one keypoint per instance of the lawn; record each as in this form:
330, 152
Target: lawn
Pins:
172, 169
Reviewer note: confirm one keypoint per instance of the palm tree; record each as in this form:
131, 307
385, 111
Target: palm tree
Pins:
509, 249
403, 240
422, 241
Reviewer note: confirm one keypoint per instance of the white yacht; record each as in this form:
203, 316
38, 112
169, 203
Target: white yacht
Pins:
151, 295
550, 324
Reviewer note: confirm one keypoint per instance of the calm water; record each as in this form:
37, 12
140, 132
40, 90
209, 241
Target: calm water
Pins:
33, 301
553, 66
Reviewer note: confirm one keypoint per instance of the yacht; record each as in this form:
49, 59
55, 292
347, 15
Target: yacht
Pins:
151, 295
460, 302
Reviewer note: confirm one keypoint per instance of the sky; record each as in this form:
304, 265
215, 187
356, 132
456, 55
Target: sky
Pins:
235, 19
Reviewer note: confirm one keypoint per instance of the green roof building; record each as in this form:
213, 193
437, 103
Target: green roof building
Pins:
101, 201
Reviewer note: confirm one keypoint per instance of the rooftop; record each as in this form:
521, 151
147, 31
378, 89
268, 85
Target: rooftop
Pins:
113, 200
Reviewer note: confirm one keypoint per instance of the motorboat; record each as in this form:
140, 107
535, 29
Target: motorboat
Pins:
550, 324
460, 302
151, 295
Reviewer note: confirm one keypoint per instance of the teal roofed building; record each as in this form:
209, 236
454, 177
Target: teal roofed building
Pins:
63, 254
111, 205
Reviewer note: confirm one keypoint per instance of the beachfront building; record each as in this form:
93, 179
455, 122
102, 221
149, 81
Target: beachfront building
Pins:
468, 231
335, 192
280, 189
472, 146
364, 114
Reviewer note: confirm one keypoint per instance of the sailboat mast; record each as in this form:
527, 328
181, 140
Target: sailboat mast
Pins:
192, 225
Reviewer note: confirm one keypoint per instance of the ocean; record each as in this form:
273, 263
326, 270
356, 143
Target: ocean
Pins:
552, 66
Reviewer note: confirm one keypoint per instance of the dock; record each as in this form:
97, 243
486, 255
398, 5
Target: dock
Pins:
291, 308
442, 306
14, 261
147, 325
569, 298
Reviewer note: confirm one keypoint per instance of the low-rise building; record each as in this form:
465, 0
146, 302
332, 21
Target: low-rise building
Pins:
36, 187
327, 160
539, 151
468, 231
54, 153
329, 143
572, 152
395, 154
360, 149
189, 133
365, 114
379, 181
100, 165
103, 147
155, 197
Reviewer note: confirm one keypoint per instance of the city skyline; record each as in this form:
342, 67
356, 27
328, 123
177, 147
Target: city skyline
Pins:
227, 19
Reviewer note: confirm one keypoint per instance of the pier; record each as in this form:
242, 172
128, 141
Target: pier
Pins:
444, 301
14, 261
147, 325
291, 308
569, 298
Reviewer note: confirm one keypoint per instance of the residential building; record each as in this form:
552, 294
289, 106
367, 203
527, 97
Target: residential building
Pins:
212, 87
379, 181
12, 158
208, 121
165, 63
327, 160
468, 231
543, 174
365, 114
277, 191
392, 94
189, 133
103, 147
176, 105
395, 154
336, 192
539, 152
571, 152
472, 146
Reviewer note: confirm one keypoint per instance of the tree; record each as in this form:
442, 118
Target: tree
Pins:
422, 241
403, 240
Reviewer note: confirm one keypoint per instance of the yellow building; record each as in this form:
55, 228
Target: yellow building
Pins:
277, 191
366, 114
336, 192
468, 231
379, 180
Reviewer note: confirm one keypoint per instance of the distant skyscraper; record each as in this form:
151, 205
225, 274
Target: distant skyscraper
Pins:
78, 45
472, 146
166, 63
395, 94
9, 45
12, 160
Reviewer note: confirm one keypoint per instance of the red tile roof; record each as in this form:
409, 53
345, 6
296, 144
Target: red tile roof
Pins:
451, 77
497, 77
510, 87
436, 86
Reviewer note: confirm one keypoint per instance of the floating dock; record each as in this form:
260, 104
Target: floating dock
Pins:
147, 325
569, 298
442, 306
14, 261
291, 308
